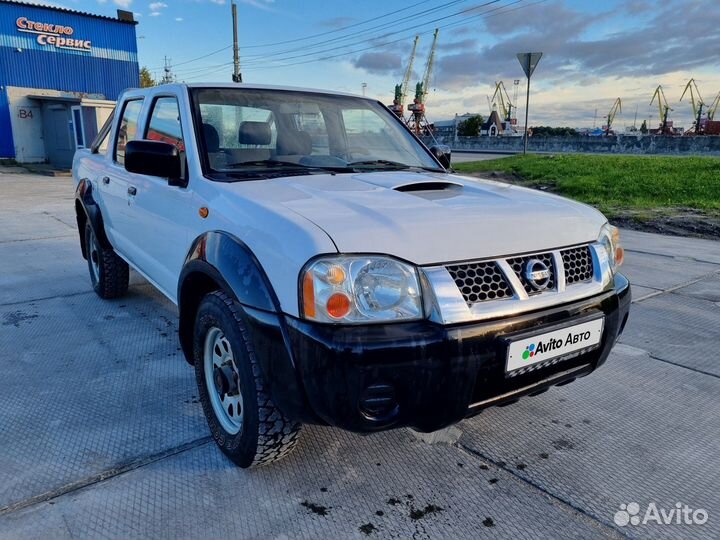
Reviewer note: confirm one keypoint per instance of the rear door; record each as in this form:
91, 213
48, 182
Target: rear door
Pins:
114, 183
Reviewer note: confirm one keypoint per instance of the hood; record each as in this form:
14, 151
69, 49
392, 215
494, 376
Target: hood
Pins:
431, 218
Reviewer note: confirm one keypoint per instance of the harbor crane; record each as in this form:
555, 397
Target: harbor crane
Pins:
398, 104
713, 107
417, 121
663, 108
503, 98
696, 102
616, 108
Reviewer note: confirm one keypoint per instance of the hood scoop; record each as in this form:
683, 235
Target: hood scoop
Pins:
428, 185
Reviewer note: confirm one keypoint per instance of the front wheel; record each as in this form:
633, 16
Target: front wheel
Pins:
242, 417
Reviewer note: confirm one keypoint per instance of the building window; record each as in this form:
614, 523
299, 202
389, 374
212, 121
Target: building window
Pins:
128, 128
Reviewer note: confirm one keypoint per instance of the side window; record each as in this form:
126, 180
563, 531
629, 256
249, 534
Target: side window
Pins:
127, 130
165, 124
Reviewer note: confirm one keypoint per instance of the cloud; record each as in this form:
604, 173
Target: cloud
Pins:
264, 5
48, 3
137, 15
576, 52
379, 62
155, 14
462, 45
101, 1
337, 22
157, 6
179, 19
123, 3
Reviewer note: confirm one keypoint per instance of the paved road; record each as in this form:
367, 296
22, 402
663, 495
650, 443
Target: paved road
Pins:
101, 434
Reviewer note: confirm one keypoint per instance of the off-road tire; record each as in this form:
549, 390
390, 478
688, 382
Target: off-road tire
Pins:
266, 434
113, 273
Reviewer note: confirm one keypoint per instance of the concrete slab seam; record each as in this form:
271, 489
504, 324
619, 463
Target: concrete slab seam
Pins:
104, 476
564, 502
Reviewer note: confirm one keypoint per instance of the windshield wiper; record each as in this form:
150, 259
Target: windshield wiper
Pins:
388, 164
382, 162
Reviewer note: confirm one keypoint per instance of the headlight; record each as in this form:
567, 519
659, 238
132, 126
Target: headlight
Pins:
357, 289
610, 239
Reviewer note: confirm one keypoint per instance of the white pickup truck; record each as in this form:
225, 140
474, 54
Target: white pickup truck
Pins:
330, 269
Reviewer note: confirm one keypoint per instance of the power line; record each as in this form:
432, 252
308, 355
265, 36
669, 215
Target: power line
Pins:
345, 53
250, 59
337, 29
361, 32
312, 36
413, 27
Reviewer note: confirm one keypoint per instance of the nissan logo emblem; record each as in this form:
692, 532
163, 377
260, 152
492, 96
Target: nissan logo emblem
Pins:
537, 274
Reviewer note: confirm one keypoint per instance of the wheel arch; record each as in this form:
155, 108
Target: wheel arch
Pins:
220, 261
88, 211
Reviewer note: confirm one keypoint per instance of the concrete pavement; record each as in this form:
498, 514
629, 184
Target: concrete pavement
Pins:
101, 434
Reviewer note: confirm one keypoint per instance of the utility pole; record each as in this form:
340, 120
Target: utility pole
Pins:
168, 77
363, 86
529, 62
236, 76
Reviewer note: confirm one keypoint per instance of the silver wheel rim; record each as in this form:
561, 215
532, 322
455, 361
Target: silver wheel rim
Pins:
222, 380
94, 256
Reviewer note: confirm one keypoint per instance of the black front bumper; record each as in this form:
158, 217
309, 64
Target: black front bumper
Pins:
428, 376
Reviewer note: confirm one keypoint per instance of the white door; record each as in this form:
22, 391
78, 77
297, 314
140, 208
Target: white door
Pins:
163, 212
114, 184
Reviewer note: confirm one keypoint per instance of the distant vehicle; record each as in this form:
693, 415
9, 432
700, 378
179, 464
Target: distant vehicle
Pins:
329, 269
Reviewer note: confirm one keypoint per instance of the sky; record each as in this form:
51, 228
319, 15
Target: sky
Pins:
594, 51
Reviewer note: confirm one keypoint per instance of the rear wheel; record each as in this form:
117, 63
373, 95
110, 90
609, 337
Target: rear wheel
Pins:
242, 417
109, 274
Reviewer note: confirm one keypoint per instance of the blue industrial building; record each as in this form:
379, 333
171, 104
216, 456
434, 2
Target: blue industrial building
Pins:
60, 74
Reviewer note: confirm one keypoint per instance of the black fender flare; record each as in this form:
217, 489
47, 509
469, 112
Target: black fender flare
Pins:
217, 258
88, 211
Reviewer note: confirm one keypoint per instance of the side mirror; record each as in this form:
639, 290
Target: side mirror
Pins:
154, 158
442, 153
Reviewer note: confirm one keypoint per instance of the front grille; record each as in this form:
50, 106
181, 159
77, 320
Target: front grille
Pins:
578, 265
518, 266
480, 282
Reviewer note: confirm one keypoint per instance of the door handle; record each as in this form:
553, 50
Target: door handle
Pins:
132, 190
106, 180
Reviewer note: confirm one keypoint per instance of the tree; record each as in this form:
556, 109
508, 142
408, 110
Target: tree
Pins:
547, 131
146, 79
643, 127
470, 127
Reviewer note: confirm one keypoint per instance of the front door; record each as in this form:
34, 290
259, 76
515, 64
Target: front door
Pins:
162, 212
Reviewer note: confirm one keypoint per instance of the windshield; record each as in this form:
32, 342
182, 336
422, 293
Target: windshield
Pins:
258, 132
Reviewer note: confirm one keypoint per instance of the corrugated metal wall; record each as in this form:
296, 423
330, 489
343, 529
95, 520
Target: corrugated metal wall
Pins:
109, 68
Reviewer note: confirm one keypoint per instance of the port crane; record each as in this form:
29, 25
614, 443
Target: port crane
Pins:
398, 104
696, 101
663, 108
417, 121
616, 108
713, 107
503, 98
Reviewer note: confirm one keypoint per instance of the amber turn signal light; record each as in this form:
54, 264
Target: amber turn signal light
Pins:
338, 305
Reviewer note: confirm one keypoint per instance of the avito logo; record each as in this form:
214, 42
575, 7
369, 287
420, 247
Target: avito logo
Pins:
554, 344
